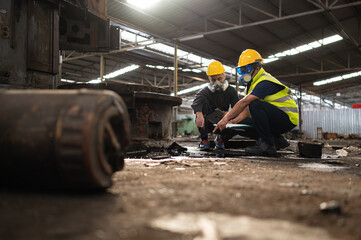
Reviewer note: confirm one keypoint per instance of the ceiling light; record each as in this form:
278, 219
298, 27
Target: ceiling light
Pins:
268, 60
331, 39
315, 44
193, 37
306, 47
68, 81
192, 89
336, 79
121, 71
142, 3
94, 81
116, 73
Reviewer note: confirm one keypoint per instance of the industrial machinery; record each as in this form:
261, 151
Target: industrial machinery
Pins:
56, 138
61, 139
150, 110
33, 32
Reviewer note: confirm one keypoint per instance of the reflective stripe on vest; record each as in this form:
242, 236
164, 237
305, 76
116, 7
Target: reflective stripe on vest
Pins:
282, 99
289, 109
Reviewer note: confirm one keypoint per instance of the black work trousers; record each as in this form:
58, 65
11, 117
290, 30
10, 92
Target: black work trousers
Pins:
209, 127
267, 120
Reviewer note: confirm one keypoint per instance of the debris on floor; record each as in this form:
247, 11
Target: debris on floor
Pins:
322, 167
224, 226
341, 152
330, 207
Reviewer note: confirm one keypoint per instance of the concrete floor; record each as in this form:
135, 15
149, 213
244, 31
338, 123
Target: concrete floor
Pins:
201, 197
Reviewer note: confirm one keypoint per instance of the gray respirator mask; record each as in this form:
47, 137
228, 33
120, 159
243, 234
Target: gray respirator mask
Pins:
218, 86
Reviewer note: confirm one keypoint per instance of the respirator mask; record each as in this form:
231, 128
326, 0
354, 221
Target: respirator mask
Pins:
244, 74
218, 86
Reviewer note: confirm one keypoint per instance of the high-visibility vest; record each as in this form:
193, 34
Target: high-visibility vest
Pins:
282, 99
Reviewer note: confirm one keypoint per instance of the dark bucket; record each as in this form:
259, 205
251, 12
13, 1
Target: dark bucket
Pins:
310, 150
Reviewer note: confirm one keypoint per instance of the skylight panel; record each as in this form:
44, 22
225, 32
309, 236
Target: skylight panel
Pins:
143, 4
303, 48
192, 89
350, 75
195, 58
163, 48
181, 53
331, 39
116, 73
68, 81
281, 54
268, 60
315, 44
128, 36
206, 61
293, 51
336, 79
228, 69
121, 71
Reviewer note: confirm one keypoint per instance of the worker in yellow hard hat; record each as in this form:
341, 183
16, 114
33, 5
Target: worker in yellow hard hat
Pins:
268, 106
218, 96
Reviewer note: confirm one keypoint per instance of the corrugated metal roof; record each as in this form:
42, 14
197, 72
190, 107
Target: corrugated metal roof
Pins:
266, 27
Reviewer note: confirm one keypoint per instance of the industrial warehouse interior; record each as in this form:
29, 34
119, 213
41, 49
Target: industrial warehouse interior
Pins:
106, 131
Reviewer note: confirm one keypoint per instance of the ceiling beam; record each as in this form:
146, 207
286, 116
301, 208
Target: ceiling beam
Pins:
276, 19
343, 31
318, 72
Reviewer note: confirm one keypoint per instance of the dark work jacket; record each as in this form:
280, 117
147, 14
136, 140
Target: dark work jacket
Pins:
207, 101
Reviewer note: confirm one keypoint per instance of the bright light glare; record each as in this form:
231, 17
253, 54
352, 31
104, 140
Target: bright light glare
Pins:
268, 60
142, 3
305, 47
68, 81
192, 89
331, 39
121, 71
116, 73
336, 79
94, 81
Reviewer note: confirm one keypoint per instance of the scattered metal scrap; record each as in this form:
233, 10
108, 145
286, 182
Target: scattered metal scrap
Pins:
141, 150
330, 207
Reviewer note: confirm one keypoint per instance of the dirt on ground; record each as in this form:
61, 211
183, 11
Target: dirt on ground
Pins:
202, 196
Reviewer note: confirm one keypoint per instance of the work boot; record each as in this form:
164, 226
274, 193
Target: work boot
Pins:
204, 145
262, 149
219, 142
281, 142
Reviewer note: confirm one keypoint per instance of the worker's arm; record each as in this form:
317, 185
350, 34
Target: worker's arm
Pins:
243, 115
235, 111
199, 119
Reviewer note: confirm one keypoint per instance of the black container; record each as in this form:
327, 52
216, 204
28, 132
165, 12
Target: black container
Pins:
310, 150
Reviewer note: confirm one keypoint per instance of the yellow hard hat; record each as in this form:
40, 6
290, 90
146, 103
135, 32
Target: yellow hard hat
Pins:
215, 68
249, 56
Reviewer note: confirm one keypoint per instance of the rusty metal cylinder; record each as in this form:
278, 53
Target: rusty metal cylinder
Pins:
61, 138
